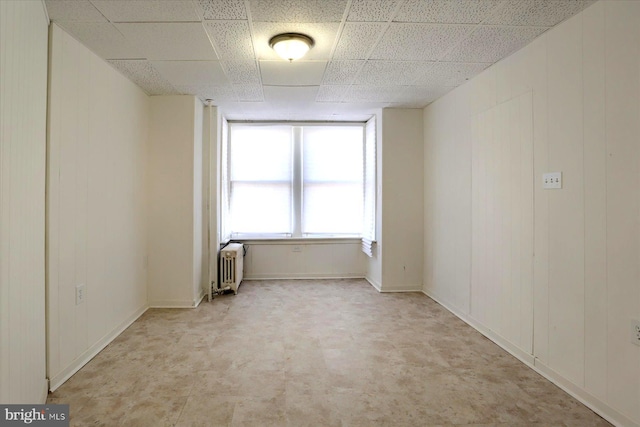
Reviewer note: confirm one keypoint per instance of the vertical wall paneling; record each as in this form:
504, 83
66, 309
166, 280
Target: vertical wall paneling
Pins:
623, 136
175, 202
96, 210
23, 94
200, 256
583, 77
566, 226
595, 201
502, 220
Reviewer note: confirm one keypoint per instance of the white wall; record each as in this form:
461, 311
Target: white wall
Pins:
23, 95
573, 322
401, 216
374, 263
96, 204
304, 259
175, 202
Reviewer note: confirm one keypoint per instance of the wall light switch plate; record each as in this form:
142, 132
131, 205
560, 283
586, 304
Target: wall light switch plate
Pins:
80, 294
552, 180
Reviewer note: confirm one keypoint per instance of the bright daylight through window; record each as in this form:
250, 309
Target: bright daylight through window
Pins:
299, 181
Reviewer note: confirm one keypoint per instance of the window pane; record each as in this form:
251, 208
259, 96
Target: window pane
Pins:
332, 208
333, 153
332, 185
260, 208
260, 153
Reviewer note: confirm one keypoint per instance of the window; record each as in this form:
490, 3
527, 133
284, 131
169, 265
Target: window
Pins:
297, 181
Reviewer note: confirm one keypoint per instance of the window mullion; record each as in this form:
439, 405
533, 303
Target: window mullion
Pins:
297, 181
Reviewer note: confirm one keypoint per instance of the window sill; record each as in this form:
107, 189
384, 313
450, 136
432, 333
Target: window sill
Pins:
299, 240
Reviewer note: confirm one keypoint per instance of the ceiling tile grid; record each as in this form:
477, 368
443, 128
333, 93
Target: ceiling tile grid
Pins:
192, 73
446, 11
367, 54
147, 10
241, 71
204, 92
297, 11
541, 13
103, 38
372, 10
490, 44
342, 72
232, 39
222, 9
169, 41
419, 42
357, 39
74, 11
142, 73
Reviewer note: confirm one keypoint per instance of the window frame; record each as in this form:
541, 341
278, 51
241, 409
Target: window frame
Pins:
297, 183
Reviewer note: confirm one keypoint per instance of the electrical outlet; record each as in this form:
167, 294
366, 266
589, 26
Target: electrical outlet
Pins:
80, 294
635, 331
297, 248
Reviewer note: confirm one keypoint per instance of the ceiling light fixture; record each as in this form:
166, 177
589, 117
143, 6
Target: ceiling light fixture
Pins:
291, 45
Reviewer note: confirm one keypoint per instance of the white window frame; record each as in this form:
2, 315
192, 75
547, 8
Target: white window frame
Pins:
297, 184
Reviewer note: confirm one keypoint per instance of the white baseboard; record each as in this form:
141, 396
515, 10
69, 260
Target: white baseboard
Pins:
176, 303
45, 391
598, 406
374, 283
60, 378
416, 288
302, 276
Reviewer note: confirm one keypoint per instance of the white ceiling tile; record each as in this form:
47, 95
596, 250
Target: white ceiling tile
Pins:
490, 44
369, 93
419, 42
147, 10
448, 73
250, 93
297, 11
446, 11
385, 73
342, 72
143, 74
323, 34
372, 10
102, 38
222, 9
169, 41
73, 10
241, 71
232, 39
297, 73
204, 92
331, 93
290, 97
543, 13
419, 97
192, 73
357, 39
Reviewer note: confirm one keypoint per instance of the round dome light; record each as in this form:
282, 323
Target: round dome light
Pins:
291, 46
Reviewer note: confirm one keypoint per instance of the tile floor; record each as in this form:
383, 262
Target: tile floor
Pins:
312, 353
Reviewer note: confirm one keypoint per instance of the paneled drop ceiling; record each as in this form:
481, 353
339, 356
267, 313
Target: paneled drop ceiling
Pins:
368, 54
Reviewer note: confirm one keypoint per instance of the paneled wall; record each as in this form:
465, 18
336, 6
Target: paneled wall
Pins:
175, 202
584, 81
23, 103
303, 259
96, 205
402, 205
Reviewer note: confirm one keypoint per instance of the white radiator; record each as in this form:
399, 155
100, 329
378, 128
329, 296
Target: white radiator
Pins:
231, 266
